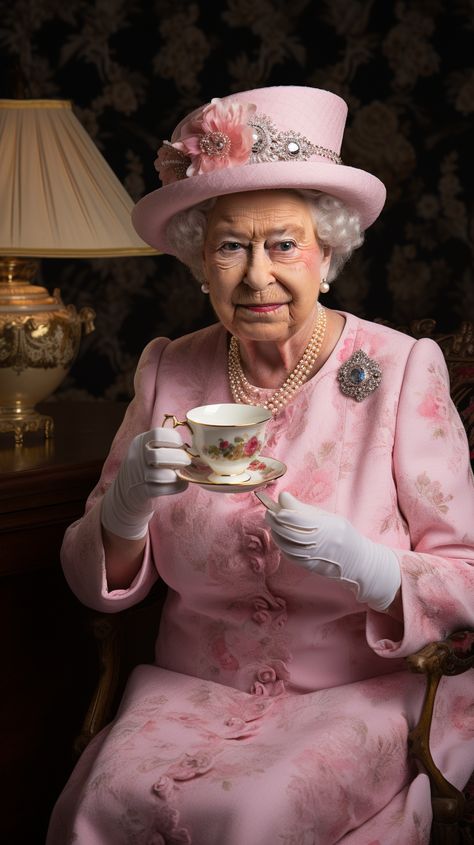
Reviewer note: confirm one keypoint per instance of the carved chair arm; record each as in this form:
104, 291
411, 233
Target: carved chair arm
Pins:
449, 657
105, 629
123, 640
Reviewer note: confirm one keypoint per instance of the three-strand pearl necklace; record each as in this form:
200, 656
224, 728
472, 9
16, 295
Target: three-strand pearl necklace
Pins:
247, 394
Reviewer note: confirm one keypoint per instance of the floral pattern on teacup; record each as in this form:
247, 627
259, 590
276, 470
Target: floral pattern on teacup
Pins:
237, 450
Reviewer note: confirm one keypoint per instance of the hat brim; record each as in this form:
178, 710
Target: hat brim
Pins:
356, 188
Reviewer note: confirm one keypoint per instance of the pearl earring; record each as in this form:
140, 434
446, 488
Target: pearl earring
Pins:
205, 287
324, 286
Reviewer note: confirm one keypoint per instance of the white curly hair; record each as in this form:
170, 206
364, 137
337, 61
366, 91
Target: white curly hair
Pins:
336, 226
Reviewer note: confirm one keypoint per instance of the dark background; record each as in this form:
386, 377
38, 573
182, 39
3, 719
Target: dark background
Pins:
134, 68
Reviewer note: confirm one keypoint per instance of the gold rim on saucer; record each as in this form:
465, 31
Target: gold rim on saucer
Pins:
267, 470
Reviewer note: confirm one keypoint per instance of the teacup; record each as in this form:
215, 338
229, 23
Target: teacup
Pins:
227, 437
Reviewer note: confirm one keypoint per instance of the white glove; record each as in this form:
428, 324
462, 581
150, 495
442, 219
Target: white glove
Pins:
328, 544
147, 471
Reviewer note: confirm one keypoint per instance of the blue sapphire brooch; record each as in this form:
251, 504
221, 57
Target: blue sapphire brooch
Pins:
359, 376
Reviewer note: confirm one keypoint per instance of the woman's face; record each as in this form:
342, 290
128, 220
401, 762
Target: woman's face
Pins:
263, 264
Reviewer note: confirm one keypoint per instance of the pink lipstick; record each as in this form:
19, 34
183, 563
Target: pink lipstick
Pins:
262, 309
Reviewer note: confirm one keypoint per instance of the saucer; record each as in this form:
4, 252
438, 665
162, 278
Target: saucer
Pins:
260, 472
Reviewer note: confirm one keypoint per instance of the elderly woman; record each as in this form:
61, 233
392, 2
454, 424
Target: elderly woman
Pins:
279, 706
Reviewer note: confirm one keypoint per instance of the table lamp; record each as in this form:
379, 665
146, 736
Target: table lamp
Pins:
59, 198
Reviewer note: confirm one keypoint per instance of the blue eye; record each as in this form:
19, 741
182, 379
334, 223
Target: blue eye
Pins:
286, 246
231, 246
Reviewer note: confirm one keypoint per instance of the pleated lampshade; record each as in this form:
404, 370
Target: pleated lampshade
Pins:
59, 197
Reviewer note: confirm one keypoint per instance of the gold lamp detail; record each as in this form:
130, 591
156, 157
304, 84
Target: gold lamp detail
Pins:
59, 199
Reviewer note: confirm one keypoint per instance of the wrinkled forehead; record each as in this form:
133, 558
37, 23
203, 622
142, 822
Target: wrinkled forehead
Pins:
279, 208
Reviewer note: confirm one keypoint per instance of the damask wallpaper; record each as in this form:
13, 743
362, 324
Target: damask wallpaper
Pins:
134, 68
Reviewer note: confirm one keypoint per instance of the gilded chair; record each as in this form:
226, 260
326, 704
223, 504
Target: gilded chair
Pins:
126, 639
453, 811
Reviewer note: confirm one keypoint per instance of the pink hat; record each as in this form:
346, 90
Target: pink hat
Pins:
268, 138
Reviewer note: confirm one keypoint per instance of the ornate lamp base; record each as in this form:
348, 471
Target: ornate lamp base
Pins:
21, 420
39, 340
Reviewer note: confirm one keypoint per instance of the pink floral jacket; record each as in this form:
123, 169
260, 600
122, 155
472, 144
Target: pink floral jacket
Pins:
396, 464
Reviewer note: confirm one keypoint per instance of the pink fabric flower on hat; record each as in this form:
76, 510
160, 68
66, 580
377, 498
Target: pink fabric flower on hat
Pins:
171, 163
218, 137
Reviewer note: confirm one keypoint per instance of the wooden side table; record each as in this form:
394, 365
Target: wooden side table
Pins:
48, 660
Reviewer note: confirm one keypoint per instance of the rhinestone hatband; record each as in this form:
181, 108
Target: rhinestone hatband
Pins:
272, 145
269, 144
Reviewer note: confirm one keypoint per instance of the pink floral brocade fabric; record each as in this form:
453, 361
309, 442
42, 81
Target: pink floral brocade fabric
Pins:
278, 709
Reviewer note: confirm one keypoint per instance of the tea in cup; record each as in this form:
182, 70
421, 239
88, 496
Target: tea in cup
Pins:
227, 437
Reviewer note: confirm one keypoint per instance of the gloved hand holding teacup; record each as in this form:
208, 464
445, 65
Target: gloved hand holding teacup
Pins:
147, 472
227, 437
